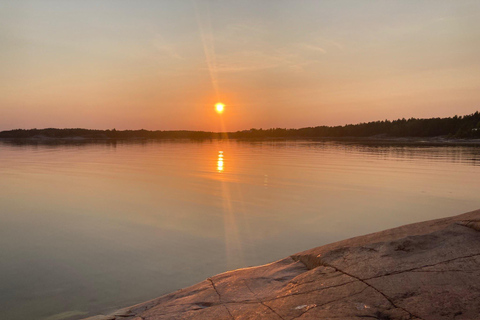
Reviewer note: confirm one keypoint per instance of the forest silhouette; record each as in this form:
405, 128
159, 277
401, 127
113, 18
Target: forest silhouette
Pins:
461, 127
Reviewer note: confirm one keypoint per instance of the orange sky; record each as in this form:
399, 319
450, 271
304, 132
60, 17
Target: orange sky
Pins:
162, 65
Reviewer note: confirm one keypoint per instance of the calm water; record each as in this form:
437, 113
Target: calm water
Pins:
90, 228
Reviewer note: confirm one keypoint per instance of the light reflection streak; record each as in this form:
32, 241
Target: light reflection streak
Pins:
220, 161
233, 246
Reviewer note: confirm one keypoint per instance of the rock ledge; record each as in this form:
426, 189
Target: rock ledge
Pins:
423, 271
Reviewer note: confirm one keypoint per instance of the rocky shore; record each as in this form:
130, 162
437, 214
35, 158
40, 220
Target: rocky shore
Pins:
427, 270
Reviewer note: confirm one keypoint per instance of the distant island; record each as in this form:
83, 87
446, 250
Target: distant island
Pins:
457, 127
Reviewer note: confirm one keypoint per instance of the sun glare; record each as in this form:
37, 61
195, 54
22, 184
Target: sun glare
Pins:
219, 107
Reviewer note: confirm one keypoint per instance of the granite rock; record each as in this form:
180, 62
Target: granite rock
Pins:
428, 270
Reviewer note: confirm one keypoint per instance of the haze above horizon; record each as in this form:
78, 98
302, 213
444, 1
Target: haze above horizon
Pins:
164, 65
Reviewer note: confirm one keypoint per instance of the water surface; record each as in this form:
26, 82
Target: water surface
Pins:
88, 228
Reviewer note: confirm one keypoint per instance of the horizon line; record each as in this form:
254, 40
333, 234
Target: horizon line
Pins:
223, 132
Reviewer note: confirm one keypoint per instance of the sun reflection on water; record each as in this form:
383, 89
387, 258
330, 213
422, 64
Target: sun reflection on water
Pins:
220, 161
231, 201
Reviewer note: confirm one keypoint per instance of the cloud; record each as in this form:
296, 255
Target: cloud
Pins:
314, 48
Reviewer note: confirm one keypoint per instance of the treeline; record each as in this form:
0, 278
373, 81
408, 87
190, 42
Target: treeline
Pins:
454, 127
88, 134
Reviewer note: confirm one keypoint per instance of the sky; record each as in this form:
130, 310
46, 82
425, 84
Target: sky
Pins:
162, 65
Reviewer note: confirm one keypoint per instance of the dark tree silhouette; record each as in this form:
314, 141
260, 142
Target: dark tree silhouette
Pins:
454, 127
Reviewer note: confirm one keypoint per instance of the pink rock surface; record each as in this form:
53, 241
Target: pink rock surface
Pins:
427, 270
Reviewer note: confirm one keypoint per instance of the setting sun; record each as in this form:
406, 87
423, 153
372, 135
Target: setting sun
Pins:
219, 107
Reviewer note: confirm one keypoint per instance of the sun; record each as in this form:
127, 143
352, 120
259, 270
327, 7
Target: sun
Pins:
219, 107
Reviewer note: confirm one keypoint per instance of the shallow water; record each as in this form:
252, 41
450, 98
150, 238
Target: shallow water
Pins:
88, 228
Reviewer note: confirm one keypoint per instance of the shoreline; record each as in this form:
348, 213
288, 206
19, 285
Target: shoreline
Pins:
421, 271
421, 141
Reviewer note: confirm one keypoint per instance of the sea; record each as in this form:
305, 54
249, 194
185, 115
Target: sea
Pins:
90, 227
